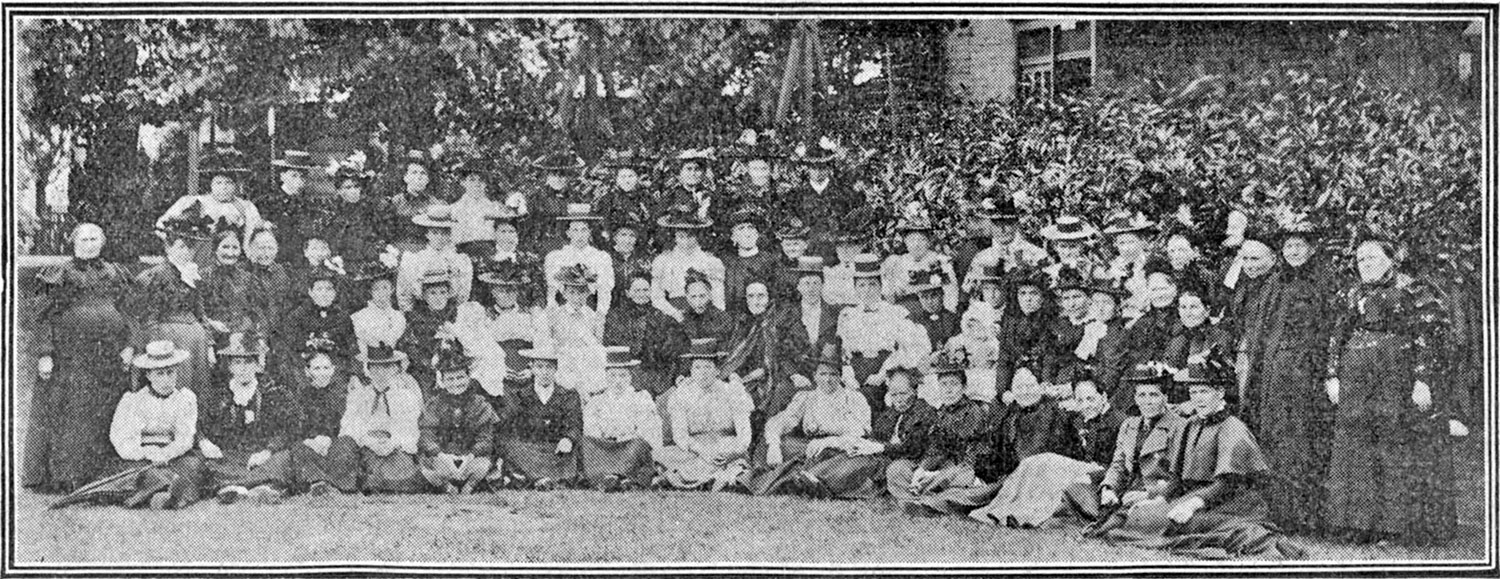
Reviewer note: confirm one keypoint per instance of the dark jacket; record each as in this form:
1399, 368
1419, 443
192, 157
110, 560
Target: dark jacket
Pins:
1022, 432
459, 425
525, 418
270, 421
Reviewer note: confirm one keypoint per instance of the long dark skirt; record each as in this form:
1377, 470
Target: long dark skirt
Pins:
1290, 416
954, 486
340, 467
1388, 474
393, 473
627, 459
231, 470
539, 460
1234, 528
67, 435
863, 368
181, 478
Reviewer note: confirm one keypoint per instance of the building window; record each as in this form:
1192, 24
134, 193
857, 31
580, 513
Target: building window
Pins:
1055, 57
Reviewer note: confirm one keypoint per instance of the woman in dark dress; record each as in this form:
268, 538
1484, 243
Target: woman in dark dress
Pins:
773, 368
247, 427
1391, 474
541, 425
233, 295
318, 315
280, 294
654, 337
321, 461
169, 303
82, 342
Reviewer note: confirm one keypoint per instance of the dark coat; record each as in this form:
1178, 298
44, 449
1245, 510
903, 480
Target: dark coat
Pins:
459, 425
1018, 433
322, 409
308, 319
1096, 438
236, 297
270, 421
940, 325
941, 437
525, 418
739, 272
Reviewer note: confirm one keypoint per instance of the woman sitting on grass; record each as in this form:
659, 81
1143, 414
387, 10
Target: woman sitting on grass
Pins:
621, 428
824, 428
247, 427
540, 427
710, 425
457, 429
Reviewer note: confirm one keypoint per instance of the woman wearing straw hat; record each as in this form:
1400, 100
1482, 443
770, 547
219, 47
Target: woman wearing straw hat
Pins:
381, 417
899, 271
876, 335
1129, 234
246, 430
540, 427
621, 428
155, 427
828, 424
494, 331
576, 220
457, 442
1008, 250
439, 254
709, 419
418, 194
379, 321
224, 172
1067, 240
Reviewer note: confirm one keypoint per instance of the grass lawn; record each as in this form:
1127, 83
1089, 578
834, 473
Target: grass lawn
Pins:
582, 527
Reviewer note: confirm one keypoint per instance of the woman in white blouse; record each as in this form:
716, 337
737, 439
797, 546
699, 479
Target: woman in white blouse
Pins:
155, 427
379, 322
621, 428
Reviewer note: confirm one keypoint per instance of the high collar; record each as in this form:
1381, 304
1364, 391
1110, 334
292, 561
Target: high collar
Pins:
86, 264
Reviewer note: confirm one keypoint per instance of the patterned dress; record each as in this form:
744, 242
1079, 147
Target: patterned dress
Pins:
707, 416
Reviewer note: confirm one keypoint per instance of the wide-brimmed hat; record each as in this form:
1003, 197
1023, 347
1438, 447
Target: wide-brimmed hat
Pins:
191, 223
541, 350
821, 152
944, 362
683, 217
576, 275
628, 159
242, 344
1068, 228
1208, 370
560, 162
437, 217
1070, 278
809, 265
1153, 372
619, 357
450, 356
794, 228
932, 277
578, 212
747, 215
700, 156
703, 349
1126, 222
1031, 276
319, 342
353, 167
505, 273
475, 165
371, 271
825, 359
381, 353
866, 265
436, 276
291, 159
987, 272
415, 156
224, 161
915, 218
1104, 286
997, 208
762, 149
160, 354
1297, 226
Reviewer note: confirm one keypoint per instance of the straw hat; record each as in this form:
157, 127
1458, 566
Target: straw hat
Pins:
1068, 228
160, 354
703, 349
619, 357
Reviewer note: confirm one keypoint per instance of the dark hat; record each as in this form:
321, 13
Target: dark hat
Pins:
558, 162
619, 357
946, 362
242, 345
998, 208
1068, 227
1298, 226
191, 223
747, 215
295, 160
987, 272
372, 270
224, 161
450, 356
933, 277
505, 214
915, 221
681, 216
1153, 372
437, 277
353, 167
824, 359
505, 273
436, 216
1028, 276
1126, 222
415, 156
866, 265
1070, 278
1209, 371
318, 342
1103, 286
474, 165
1160, 264
808, 265
820, 152
381, 353
576, 275
794, 228
631, 159
578, 212
703, 349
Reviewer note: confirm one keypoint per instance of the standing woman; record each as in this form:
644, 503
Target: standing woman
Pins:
1129, 234
1390, 474
472, 228
419, 192
82, 342
579, 249
710, 425
276, 285
169, 304
354, 234
225, 172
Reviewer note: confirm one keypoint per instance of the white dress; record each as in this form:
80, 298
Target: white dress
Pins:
577, 331
484, 333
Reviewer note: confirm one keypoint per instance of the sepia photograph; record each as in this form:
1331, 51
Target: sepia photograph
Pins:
750, 288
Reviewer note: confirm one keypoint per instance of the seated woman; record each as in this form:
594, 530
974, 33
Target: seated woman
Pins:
710, 425
540, 426
380, 417
1140, 453
457, 429
494, 328
979, 347
827, 424
621, 428
153, 427
246, 429
940, 451
1211, 506
323, 462
320, 316
862, 476
379, 321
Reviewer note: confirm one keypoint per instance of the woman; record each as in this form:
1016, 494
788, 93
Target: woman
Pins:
319, 315
550, 199
154, 427
577, 331
1130, 234
773, 347
355, 234
629, 255
82, 341
169, 304
938, 453
223, 203
472, 229
457, 441
1067, 328
979, 348
497, 329
629, 203
246, 432
1023, 326
1211, 506
1102, 347
540, 427
279, 291
418, 193
621, 428
897, 270
1141, 452
1390, 476
379, 322
656, 339
1068, 238
438, 255
710, 425
669, 271
1148, 335
1188, 264
232, 294
323, 461
829, 424
380, 420
1194, 338
580, 250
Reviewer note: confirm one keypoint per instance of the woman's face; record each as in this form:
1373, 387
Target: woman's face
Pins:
1129, 245
438, 236
544, 371
1102, 306
745, 236
1068, 250
917, 243
556, 181
627, 179
1090, 400
506, 236
757, 298
625, 239
1296, 251
1162, 289
222, 188
575, 294
1003, 230
163, 380
416, 178
504, 296
1024, 388
640, 291
992, 294
1029, 297
263, 247
322, 293
810, 287
316, 251
292, 181
88, 241
686, 240
690, 174
455, 381
179, 250
950, 388
1180, 252
1191, 311
473, 185
381, 375
578, 233
697, 296
1206, 399
704, 372
794, 248
436, 295
619, 379
228, 250
1074, 302
243, 367
868, 289
1373, 262
1150, 400
759, 171
351, 190
320, 370
826, 377
382, 291
899, 392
